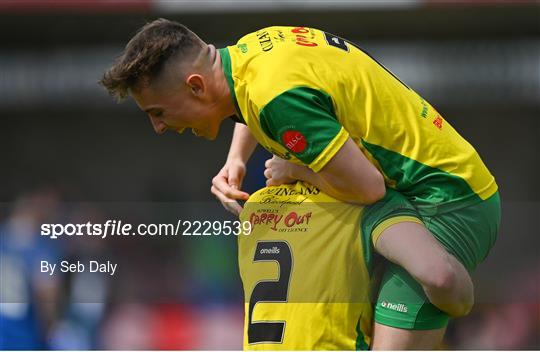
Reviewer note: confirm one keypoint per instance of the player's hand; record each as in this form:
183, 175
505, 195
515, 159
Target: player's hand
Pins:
227, 183
278, 171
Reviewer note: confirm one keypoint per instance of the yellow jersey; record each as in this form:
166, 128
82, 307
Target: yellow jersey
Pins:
305, 272
302, 92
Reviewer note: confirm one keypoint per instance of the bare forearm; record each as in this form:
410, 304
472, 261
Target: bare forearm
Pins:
344, 193
348, 176
242, 145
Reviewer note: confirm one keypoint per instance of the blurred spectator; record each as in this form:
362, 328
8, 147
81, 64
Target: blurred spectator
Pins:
86, 292
29, 299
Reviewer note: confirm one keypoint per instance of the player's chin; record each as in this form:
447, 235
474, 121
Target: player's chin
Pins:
207, 136
212, 134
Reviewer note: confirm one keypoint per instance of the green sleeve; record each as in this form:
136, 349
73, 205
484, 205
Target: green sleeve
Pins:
302, 120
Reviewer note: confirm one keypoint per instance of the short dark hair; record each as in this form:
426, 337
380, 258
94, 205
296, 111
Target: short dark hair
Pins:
146, 54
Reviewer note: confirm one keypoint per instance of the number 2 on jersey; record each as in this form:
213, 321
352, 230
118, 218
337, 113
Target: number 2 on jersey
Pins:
265, 331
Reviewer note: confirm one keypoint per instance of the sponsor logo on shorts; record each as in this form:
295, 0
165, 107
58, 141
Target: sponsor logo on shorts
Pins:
398, 307
294, 141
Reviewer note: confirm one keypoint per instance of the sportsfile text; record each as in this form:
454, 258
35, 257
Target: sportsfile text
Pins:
120, 228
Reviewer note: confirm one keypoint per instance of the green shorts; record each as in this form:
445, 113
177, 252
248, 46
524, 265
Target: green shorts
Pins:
466, 232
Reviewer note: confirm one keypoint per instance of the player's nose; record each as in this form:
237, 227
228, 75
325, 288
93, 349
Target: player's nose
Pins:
159, 126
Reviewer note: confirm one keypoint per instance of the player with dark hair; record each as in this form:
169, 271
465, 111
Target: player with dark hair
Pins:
336, 118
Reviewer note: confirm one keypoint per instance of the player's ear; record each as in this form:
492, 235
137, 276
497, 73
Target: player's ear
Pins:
196, 84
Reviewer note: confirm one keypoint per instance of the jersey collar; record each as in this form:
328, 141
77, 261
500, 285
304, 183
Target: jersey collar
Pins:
226, 64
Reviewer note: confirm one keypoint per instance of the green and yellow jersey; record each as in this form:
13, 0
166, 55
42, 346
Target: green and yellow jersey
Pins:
303, 289
302, 92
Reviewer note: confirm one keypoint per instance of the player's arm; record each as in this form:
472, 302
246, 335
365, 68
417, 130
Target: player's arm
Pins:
410, 245
303, 120
242, 145
227, 183
349, 176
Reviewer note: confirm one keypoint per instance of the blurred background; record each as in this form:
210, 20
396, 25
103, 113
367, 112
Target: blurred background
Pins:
69, 153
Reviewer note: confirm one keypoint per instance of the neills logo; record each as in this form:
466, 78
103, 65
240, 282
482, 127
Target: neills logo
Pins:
399, 307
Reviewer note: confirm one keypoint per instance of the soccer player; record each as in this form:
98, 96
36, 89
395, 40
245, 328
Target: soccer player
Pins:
342, 122
305, 268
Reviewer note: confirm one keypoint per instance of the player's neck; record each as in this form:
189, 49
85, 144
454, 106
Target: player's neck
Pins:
224, 91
